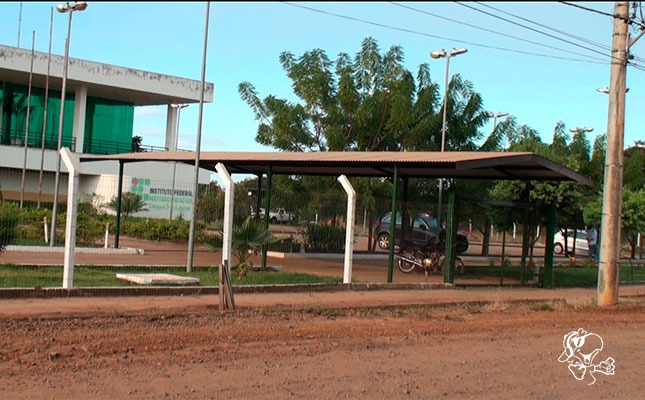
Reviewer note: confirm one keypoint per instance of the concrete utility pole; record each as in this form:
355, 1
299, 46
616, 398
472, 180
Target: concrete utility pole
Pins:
613, 184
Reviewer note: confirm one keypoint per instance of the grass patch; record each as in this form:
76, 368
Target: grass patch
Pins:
562, 276
12, 276
541, 306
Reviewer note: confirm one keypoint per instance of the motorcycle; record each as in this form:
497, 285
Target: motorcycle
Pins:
429, 258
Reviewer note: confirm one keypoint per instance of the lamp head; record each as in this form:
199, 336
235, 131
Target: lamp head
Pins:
502, 114
438, 53
574, 130
79, 6
69, 7
456, 52
606, 90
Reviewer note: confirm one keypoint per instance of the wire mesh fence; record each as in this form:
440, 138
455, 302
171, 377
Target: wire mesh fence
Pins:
300, 239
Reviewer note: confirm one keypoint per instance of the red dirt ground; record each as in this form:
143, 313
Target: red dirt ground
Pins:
483, 343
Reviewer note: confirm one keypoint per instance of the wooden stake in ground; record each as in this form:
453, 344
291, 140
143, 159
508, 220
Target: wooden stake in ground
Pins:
226, 300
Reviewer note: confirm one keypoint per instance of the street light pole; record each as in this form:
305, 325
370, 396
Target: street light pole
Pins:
495, 116
191, 234
62, 8
174, 167
442, 54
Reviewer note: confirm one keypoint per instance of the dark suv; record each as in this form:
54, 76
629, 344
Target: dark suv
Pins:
424, 228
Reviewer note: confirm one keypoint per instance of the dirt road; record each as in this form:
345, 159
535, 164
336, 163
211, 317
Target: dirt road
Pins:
478, 343
498, 349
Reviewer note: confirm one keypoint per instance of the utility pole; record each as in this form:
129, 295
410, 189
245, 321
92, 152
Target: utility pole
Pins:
608, 270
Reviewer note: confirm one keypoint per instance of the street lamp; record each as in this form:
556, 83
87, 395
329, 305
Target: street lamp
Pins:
606, 90
174, 167
495, 116
62, 8
581, 130
442, 54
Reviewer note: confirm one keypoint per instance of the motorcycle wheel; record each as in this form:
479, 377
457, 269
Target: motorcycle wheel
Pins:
406, 266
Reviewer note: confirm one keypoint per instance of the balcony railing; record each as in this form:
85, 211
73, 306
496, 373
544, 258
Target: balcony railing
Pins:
107, 147
16, 138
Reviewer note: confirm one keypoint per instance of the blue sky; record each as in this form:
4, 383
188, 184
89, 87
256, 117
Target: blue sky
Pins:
246, 38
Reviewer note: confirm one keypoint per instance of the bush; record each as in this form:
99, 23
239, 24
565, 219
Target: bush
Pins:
89, 230
324, 239
158, 229
287, 245
9, 221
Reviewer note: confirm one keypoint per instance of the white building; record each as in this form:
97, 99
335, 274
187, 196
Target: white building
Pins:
98, 119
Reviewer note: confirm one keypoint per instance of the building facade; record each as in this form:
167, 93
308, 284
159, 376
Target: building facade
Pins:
98, 118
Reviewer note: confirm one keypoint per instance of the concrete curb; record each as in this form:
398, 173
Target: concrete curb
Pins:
58, 292
89, 250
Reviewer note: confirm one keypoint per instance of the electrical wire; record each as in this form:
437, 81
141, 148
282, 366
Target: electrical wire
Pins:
534, 30
492, 31
441, 37
556, 30
626, 19
613, 58
566, 3
602, 46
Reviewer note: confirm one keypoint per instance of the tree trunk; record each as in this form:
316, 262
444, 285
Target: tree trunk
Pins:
486, 238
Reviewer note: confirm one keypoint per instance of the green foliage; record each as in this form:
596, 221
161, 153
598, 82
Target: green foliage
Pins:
324, 239
131, 203
89, 230
9, 221
101, 276
249, 238
137, 141
634, 168
287, 245
369, 102
210, 203
633, 216
159, 229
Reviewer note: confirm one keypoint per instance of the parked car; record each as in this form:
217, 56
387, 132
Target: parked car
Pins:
424, 228
582, 244
279, 216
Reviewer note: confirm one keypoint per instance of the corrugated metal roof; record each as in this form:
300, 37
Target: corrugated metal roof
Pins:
458, 165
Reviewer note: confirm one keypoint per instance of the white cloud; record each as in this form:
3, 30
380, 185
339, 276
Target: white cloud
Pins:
149, 111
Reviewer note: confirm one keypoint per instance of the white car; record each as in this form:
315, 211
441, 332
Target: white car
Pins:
582, 245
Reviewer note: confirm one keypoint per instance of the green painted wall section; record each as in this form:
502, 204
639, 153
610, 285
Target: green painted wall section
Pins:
108, 127
14, 117
108, 123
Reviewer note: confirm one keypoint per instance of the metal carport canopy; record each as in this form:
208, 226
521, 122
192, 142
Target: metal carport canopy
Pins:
458, 165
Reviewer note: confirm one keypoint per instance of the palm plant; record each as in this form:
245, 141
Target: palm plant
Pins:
250, 238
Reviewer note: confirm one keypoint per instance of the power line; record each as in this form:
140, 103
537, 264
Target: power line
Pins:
626, 19
440, 37
566, 3
553, 29
532, 29
490, 30
604, 47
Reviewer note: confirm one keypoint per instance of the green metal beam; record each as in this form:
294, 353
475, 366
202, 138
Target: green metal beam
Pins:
267, 207
390, 263
118, 206
548, 249
451, 241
